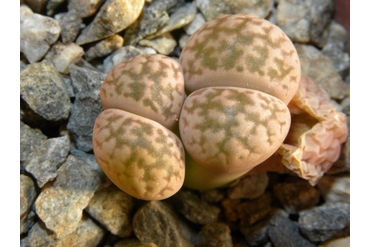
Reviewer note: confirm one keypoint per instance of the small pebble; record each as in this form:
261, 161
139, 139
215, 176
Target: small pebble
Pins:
69, 23
164, 44
104, 47
85, 8
37, 33
44, 90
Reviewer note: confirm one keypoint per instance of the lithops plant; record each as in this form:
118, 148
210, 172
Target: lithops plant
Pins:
242, 51
132, 141
241, 72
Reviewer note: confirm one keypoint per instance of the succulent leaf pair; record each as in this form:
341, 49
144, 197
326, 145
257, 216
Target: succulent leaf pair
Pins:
239, 72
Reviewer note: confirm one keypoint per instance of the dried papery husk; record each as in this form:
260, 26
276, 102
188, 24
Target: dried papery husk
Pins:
314, 142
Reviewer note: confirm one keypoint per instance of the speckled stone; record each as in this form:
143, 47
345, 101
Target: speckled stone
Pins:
195, 209
321, 69
153, 17
45, 92
163, 44
335, 188
305, 21
30, 141
217, 8
296, 195
52, 6
181, 17
215, 235
335, 48
36, 5
254, 210
197, 22
60, 204
49, 156
322, 223
104, 47
156, 222
63, 55
284, 232
249, 186
87, 105
27, 195
69, 23
37, 33
112, 208
28, 221
133, 243
122, 54
85, 8
113, 17
87, 233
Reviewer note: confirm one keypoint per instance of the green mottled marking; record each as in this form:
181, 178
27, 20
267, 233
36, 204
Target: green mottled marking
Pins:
281, 72
254, 64
209, 56
138, 84
140, 131
208, 123
240, 100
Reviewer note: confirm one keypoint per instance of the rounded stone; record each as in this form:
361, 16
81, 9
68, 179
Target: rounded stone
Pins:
113, 17
230, 129
149, 85
241, 51
140, 156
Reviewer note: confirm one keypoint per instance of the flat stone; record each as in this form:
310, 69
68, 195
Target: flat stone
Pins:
305, 21
28, 221
322, 223
122, 54
195, 209
85, 8
61, 203
49, 156
104, 47
215, 235
87, 105
23, 65
254, 210
36, 5
133, 243
217, 8
30, 141
153, 17
296, 195
335, 188
197, 22
183, 39
284, 232
163, 44
181, 17
45, 92
212, 196
87, 233
62, 55
339, 242
27, 195
155, 222
37, 33
321, 69
112, 208
256, 234
335, 48
230, 208
69, 23
52, 6
249, 186
113, 17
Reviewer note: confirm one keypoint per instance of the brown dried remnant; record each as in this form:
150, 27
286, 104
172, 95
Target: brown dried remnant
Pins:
317, 144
